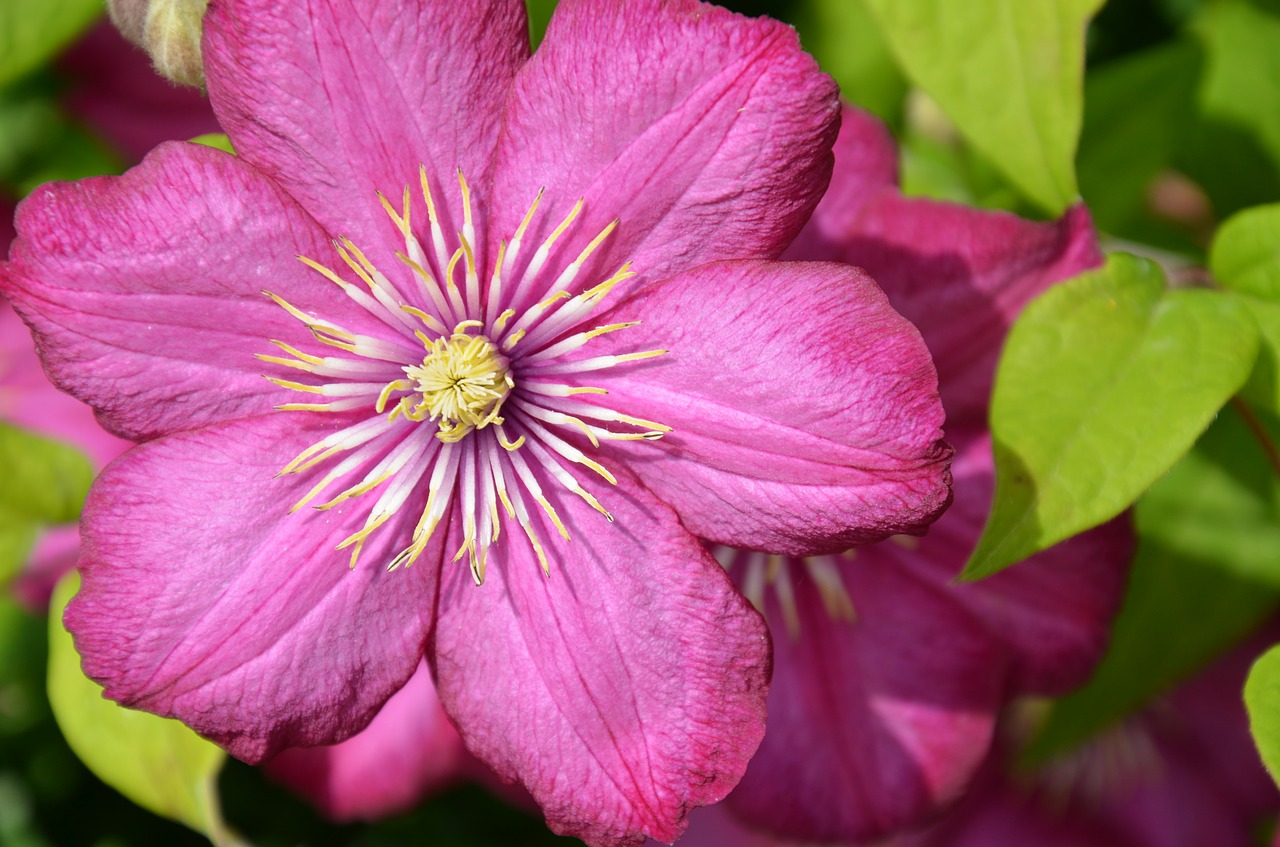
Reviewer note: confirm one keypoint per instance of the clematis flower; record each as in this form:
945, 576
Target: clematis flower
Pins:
889, 677
1183, 772
535, 340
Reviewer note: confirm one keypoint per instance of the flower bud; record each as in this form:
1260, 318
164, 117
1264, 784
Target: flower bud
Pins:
169, 30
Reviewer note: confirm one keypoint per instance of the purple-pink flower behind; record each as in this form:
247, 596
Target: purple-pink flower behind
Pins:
889, 677
524, 327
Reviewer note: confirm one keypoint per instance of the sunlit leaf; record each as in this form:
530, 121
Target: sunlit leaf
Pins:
1009, 73
1262, 699
1104, 383
31, 32
1246, 259
216, 140
156, 762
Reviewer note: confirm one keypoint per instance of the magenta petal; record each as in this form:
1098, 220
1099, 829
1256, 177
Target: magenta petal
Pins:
408, 751
874, 723
937, 260
336, 99
706, 133
804, 410
145, 291
203, 600
1053, 612
623, 690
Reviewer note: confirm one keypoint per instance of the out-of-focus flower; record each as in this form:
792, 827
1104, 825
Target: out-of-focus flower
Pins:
408, 751
113, 89
169, 30
889, 677
460, 378
1181, 773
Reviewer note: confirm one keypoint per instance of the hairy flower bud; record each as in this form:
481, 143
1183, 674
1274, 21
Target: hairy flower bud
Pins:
169, 30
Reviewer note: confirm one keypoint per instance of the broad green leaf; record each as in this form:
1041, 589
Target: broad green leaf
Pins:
216, 140
1104, 383
156, 762
1134, 109
1009, 73
1246, 252
31, 32
1209, 553
846, 40
1245, 258
45, 481
1262, 699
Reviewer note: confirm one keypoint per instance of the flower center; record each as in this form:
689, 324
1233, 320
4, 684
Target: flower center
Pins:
462, 383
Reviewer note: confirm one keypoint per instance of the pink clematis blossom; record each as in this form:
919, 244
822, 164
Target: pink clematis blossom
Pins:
438, 219
889, 676
1183, 772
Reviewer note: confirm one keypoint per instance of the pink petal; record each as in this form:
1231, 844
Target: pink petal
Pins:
1053, 611
804, 409
409, 751
874, 723
938, 260
623, 690
203, 600
336, 99
707, 134
145, 291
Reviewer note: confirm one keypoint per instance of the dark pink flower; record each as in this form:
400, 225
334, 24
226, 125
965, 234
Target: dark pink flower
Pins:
888, 675
453, 390
408, 751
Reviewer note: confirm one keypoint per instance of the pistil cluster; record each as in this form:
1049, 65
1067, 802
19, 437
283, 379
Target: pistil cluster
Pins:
502, 383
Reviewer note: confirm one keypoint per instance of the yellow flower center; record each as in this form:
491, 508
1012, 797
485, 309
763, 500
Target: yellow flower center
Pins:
462, 383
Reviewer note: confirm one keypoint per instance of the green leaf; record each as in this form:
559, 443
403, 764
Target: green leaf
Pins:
1246, 252
539, 16
216, 140
1104, 383
1133, 112
1209, 552
1262, 699
17, 537
31, 32
1231, 145
1245, 258
846, 40
45, 481
1008, 73
156, 762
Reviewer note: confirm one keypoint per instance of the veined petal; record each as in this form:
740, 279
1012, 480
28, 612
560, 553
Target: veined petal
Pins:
937, 261
336, 98
877, 720
252, 631
804, 410
624, 689
409, 750
1053, 612
706, 133
145, 291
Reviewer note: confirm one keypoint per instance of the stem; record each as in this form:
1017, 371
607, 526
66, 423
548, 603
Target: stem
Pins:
1259, 431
